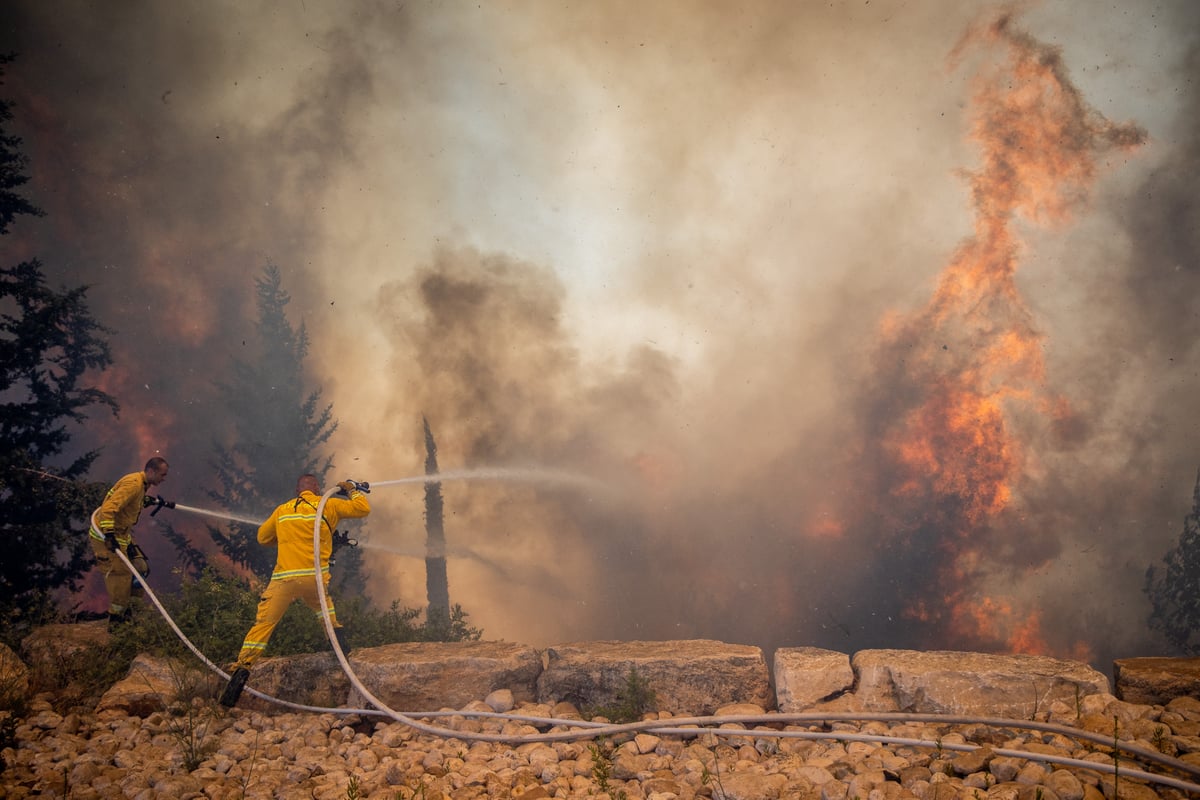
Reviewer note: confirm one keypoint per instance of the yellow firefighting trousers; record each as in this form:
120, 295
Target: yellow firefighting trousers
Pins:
118, 580
279, 594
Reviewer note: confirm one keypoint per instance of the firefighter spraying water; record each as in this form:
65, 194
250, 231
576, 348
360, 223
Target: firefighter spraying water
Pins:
290, 526
112, 529
295, 576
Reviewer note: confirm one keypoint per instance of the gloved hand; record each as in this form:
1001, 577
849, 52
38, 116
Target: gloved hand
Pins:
110, 541
347, 487
149, 500
340, 539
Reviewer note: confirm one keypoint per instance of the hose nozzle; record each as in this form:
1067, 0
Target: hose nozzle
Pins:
158, 503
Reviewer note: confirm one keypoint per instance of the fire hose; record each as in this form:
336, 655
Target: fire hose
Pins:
689, 727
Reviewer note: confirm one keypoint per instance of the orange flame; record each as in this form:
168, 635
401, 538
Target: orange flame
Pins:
973, 355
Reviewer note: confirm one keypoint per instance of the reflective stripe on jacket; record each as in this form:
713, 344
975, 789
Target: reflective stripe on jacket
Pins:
290, 527
121, 508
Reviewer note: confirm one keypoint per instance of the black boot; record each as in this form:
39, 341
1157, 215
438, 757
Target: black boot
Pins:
343, 642
237, 682
118, 619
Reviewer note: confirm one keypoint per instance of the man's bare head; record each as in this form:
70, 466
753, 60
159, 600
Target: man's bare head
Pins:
155, 471
308, 483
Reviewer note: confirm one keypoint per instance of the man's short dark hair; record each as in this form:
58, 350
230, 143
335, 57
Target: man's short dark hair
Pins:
156, 464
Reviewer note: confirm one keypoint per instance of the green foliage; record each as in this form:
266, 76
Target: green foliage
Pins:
456, 629
712, 779
215, 611
634, 701
279, 427
49, 343
301, 631
189, 724
602, 769
13, 164
1175, 603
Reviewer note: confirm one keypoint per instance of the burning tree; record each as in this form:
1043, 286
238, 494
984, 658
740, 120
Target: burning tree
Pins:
960, 377
49, 341
1175, 591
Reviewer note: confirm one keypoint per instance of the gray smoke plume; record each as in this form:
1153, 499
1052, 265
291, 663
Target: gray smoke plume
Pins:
666, 248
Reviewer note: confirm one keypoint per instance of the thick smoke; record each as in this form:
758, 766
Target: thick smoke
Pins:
686, 251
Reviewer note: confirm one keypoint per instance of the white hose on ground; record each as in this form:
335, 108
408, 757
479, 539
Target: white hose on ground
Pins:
681, 726
317, 709
692, 726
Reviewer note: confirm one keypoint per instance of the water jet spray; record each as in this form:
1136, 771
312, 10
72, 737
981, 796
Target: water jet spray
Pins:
512, 474
220, 515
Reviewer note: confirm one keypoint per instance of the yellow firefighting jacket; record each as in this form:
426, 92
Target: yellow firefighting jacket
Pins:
291, 528
121, 508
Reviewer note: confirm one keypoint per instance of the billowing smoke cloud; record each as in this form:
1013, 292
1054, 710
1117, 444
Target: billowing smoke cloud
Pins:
694, 254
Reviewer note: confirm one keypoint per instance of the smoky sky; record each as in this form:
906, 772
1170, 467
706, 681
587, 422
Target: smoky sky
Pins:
665, 250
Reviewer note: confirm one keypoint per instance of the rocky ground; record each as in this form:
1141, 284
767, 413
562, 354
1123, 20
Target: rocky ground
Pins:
201, 750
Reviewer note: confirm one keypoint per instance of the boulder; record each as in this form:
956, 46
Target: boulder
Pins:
692, 677
152, 684
807, 676
53, 644
309, 679
14, 678
427, 676
977, 684
1156, 681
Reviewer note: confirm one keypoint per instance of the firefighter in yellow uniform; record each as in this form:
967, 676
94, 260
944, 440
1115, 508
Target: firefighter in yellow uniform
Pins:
290, 528
112, 528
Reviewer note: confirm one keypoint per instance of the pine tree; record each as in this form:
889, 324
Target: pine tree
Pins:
49, 342
1175, 591
279, 428
13, 163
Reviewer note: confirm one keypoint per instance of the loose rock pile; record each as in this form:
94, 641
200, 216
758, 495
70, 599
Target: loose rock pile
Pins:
881, 725
200, 750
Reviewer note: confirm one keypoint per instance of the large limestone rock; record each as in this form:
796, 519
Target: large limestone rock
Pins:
1156, 681
59, 653
693, 677
979, 684
427, 676
14, 678
309, 679
53, 644
152, 684
806, 676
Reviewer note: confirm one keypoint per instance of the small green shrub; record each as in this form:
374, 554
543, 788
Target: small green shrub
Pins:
633, 701
216, 610
189, 723
602, 769
213, 610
